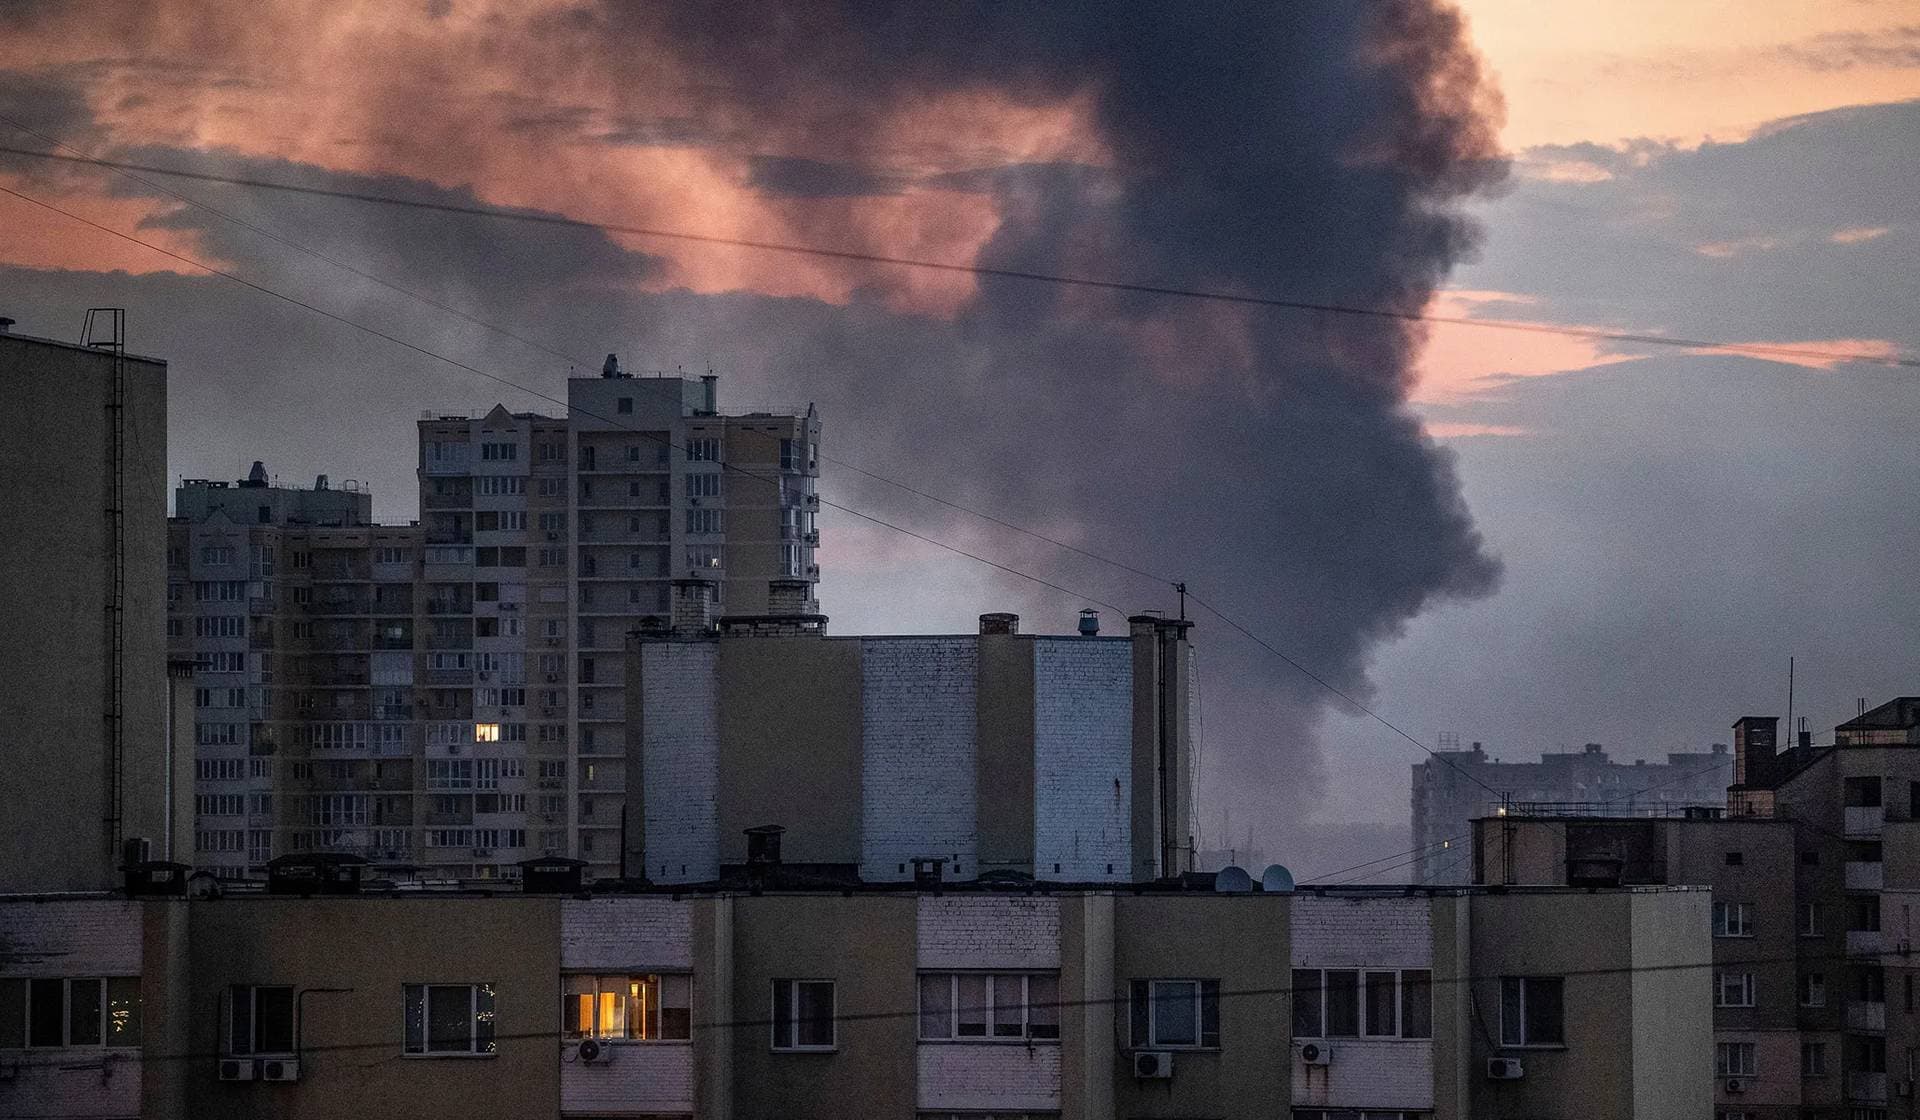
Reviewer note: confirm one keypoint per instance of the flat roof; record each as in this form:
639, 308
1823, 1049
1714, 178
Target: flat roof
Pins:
18, 337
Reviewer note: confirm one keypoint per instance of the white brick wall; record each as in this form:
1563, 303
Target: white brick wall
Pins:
640, 1078
626, 934
72, 938
1361, 932
987, 932
1083, 759
989, 1076
918, 755
681, 764
1368, 1073
75, 937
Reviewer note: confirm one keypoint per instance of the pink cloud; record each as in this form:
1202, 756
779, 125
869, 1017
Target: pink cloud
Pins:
1857, 234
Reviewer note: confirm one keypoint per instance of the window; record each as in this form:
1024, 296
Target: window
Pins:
623, 405
1331, 1003
803, 1013
703, 449
1733, 989
486, 732
82, 1011
261, 1019
702, 486
1810, 858
449, 1019
1813, 989
703, 521
789, 455
643, 1008
1733, 1059
499, 452
1809, 919
1730, 920
1813, 1059
1175, 1013
704, 556
1736, 859
1009, 1007
1532, 1010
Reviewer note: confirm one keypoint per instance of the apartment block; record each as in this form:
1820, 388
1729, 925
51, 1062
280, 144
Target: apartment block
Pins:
930, 1000
1813, 877
449, 694
89, 705
1453, 787
1053, 757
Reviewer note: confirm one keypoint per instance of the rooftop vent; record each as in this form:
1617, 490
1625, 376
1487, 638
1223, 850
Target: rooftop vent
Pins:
763, 845
610, 367
258, 475
1089, 622
551, 875
999, 622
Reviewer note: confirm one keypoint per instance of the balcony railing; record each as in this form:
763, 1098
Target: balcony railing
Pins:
1865, 875
1867, 1088
1865, 820
1865, 1016
1865, 943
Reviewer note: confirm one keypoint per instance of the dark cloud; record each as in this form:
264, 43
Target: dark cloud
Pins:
1897, 47
1316, 151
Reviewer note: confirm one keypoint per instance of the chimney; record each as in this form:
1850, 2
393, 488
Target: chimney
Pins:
710, 386
1755, 738
789, 597
999, 622
1089, 623
692, 608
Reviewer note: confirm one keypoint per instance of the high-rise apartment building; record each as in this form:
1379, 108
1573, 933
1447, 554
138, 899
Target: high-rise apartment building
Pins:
1453, 787
88, 703
451, 694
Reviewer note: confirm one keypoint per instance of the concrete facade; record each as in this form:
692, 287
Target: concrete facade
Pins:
87, 716
450, 694
1104, 965
1455, 787
999, 753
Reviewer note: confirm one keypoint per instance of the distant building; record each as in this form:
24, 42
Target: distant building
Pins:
1052, 757
1453, 787
776, 998
88, 707
1815, 868
449, 694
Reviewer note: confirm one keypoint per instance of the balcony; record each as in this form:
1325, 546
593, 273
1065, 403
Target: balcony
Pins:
1865, 820
1865, 943
1865, 1016
1867, 1088
1865, 875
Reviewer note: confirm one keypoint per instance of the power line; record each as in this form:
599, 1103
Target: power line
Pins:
1131, 287
434, 355
1265, 991
396, 340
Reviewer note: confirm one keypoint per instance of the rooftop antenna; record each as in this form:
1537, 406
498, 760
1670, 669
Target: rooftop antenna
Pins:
1789, 692
1181, 587
1860, 704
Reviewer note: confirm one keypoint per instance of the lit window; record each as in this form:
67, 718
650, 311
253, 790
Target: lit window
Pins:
486, 732
643, 1008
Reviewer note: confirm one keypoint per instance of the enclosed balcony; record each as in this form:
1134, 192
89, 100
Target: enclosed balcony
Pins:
1864, 1015
1865, 821
1867, 1088
1865, 875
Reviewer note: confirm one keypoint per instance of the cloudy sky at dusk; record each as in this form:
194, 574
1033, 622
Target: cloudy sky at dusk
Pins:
1530, 539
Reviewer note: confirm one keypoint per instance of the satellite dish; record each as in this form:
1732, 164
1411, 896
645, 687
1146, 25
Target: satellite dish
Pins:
1232, 880
1276, 880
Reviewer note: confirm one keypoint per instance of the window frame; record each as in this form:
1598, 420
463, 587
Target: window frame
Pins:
253, 1048
1723, 1051
1747, 988
990, 1011
1732, 920
1517, 1039
657, 979
793, 1045
408, 1049
1206, 990
20, 991
1318, 990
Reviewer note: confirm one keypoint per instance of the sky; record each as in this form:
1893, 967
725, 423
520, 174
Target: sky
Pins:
1528, 539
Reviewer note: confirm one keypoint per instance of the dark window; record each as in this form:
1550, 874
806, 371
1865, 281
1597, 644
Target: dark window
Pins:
45, 1010
262, 1020
1908, 986
1810, 858
1343, 1004
1735, 859
1532, 1011
1306, 1003
625, 405
1383, 1004
1416, 1003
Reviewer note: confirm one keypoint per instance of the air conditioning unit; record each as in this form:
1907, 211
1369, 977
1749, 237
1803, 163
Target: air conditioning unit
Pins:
1316, 1053
1504, 1069
1153, 1065
1736, 1085
593, 1052
279, 1069
237, 1069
